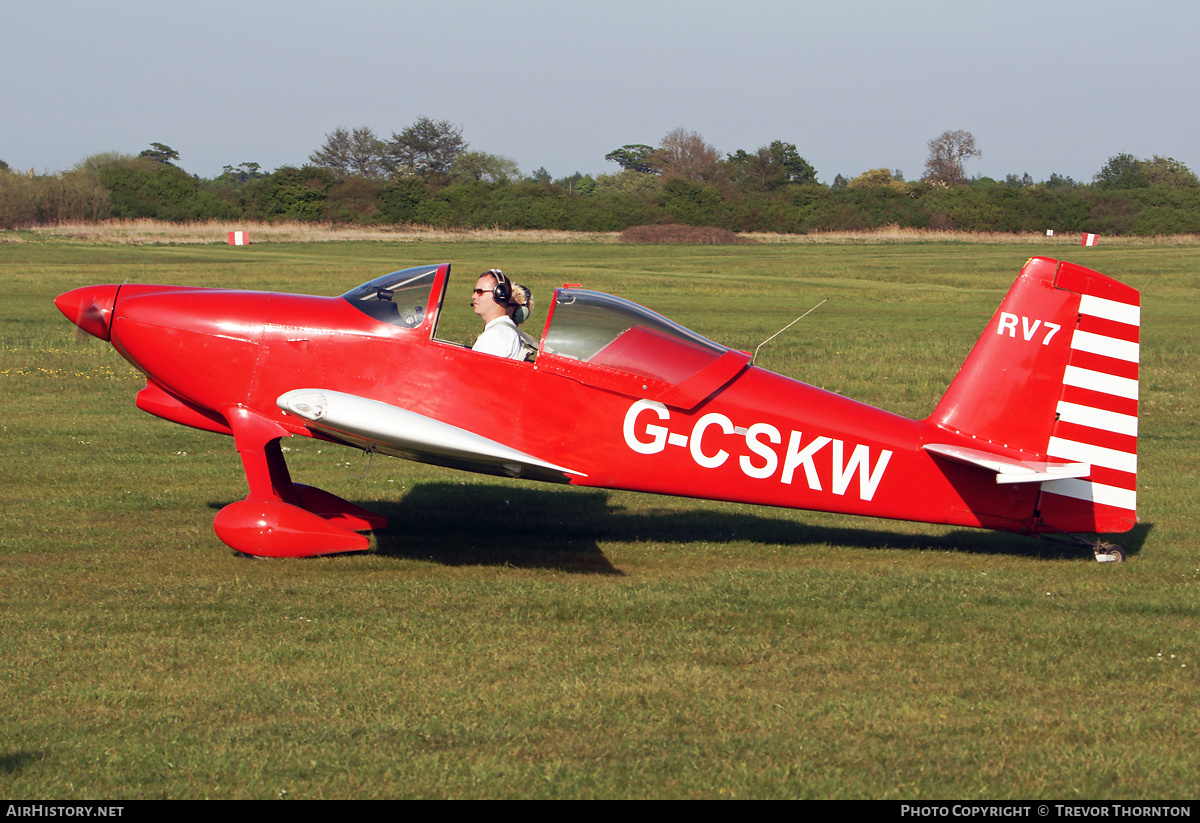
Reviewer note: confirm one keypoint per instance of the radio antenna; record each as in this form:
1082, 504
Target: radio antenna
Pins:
785, 328
370, 455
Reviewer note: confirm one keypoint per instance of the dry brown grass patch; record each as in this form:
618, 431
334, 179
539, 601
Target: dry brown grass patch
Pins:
673, 233
149, 232
145, 232
899, 234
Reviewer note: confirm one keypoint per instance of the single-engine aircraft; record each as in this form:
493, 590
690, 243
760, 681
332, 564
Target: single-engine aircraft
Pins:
1036, 435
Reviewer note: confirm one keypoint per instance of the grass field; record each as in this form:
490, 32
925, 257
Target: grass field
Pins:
564, 642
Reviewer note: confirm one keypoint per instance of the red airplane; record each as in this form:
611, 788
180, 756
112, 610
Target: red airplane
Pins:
1036, 435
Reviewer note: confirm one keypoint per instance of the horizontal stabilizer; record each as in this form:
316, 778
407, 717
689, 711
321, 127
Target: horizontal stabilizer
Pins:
1007, 469
378, 426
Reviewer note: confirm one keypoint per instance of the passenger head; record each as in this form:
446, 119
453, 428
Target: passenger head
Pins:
520, 304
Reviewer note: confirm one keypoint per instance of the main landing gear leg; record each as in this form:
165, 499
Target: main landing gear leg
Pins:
280, 518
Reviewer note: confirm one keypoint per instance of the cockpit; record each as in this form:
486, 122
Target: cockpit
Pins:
400, 298
609, 331
590, 336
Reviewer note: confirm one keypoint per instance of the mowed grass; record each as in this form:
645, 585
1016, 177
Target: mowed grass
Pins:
509, 639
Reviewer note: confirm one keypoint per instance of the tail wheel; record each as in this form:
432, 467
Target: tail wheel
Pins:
1108, 552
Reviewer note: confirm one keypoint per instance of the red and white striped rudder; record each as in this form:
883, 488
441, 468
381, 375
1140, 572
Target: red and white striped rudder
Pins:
1054, 379
1097, 416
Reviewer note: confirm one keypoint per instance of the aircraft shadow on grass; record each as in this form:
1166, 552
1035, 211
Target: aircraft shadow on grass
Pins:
539, 527
16, 761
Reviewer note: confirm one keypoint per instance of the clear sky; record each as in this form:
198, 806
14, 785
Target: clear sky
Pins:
1045, 86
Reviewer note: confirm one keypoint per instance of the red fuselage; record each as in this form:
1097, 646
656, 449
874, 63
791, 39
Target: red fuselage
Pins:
650, 408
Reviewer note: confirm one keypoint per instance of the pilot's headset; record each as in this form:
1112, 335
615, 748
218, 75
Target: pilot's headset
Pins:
502, 293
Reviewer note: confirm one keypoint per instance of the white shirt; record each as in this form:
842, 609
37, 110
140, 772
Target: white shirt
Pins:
500, 338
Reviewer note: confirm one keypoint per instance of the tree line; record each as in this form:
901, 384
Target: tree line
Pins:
428, 174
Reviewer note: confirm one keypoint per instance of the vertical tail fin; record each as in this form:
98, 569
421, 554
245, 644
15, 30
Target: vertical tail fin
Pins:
1054, 377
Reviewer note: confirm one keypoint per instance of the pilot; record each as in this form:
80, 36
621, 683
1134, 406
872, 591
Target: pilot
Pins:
502, 305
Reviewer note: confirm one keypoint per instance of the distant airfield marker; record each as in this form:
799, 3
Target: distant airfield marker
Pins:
1089, 239
239, 238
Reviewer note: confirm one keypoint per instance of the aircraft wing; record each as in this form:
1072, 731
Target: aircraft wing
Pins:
1007, 469
377, 426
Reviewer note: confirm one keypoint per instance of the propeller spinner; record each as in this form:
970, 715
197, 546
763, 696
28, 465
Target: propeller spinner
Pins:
90, 308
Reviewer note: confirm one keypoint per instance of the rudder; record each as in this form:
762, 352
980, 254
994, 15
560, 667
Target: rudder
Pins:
1097, 416
1054, 377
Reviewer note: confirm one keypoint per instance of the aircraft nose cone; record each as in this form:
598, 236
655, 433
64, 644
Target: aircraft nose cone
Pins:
90, 308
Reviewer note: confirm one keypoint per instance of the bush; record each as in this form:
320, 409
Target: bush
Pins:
962, 208
693, 203
354, 199
141, 188
289, 194
1167, 210
401, 199
18, 201
47, 200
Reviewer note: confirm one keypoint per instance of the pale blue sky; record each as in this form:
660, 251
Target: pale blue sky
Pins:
1045, 87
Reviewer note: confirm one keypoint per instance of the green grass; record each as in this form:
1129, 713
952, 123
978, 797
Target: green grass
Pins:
577, 643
